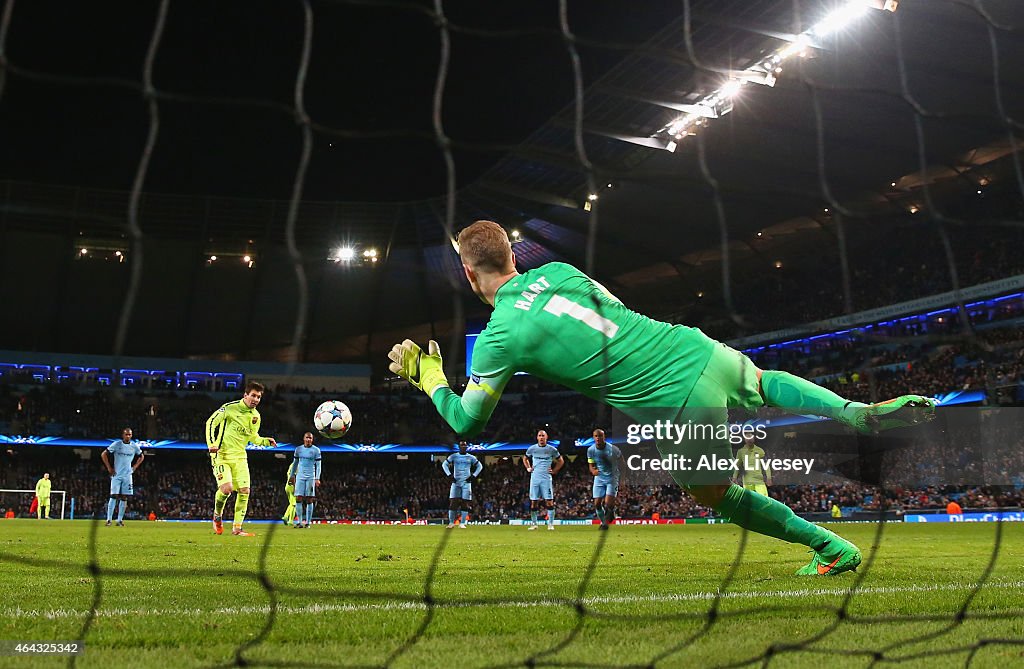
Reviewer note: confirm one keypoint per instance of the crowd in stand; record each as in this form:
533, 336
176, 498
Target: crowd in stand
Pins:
911, 264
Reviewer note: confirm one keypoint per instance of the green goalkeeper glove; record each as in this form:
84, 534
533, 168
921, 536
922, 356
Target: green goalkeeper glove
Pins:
422, 370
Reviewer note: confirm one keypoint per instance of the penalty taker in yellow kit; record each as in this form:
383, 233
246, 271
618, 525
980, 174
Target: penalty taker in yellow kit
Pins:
228, 431
557, 323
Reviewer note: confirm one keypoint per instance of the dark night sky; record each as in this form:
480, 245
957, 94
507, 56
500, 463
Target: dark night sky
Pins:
372, 68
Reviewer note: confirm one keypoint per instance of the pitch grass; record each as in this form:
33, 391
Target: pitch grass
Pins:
175, 595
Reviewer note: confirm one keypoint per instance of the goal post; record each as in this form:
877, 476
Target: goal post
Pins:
5, 495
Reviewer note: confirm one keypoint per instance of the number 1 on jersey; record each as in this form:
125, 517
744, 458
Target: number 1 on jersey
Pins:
559, 305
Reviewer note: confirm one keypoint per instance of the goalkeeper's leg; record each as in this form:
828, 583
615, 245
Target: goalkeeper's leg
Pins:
731, 381
750, 387
782, 389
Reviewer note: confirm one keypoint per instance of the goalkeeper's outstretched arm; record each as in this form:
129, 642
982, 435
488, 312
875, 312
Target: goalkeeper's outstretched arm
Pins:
468, 414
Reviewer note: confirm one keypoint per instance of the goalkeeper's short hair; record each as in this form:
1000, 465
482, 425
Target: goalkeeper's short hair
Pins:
485, 247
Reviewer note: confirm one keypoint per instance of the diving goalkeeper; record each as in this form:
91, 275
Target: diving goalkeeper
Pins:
558, 324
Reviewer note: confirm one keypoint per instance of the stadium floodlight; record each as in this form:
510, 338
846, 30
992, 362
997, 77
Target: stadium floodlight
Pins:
345, 253
840, 18
515, 234
246, 259
797, 46
592, 197
719, 103
84, 251
213, 258
731, 88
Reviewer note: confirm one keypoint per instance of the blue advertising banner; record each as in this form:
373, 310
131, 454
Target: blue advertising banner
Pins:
991, 517
173, 444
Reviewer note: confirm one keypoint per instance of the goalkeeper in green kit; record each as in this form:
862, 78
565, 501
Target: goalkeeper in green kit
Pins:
558, 324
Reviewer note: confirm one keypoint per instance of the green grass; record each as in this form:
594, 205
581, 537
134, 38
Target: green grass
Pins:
349, 596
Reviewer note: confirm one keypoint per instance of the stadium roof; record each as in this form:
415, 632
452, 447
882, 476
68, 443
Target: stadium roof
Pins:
836, 128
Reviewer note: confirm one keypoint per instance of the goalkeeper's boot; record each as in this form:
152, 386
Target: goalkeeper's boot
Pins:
120, 523
218, 525
835, 557
239, 532
899, 412
108, 523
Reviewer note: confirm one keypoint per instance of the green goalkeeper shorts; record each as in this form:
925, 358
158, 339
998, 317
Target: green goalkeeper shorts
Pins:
728, 381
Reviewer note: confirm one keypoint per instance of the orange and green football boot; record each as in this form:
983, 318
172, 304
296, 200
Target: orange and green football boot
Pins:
835, 557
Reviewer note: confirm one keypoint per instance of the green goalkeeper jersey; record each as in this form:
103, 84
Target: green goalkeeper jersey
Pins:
43, 488
557, 323
233, 427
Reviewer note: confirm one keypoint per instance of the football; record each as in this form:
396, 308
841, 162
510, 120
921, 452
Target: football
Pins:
332, 419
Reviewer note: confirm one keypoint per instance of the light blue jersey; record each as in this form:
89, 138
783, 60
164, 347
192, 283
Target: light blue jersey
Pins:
124, 454
606, 460
541, 458
306, 464
461, 467
306, 470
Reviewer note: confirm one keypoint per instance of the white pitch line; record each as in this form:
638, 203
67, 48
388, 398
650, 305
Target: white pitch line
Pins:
590, 601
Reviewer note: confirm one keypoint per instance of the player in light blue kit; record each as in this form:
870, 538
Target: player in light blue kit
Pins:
304, 474
463, 467
121, 472
538, 461
604, 460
